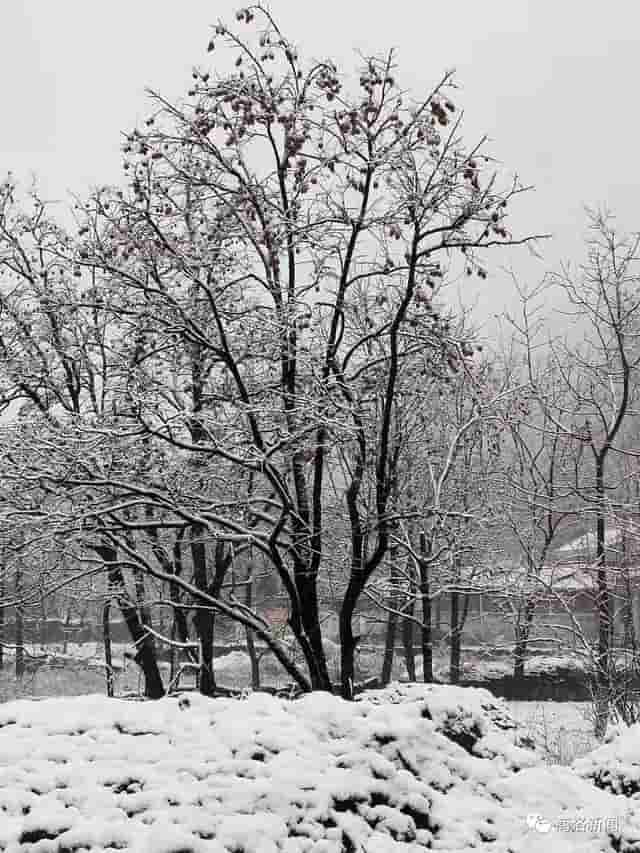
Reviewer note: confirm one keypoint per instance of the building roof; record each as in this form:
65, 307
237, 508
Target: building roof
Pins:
585, 543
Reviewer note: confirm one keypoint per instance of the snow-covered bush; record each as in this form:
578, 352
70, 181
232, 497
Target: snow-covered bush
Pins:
614, 766
406, 769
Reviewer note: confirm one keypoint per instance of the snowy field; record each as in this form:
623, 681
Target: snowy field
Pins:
408, 769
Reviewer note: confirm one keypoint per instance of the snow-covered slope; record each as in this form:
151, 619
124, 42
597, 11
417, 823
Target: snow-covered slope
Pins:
410, 768
615, 766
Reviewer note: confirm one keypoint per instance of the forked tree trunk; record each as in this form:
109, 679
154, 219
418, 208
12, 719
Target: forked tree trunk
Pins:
306, 585
145, 655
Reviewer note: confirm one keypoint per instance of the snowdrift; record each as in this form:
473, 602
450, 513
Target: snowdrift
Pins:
409, 768
614, 766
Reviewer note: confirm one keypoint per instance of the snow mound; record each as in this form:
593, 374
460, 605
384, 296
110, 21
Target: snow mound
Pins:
614, 766
406, 769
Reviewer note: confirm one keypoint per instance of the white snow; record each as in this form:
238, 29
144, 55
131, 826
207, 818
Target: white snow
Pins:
615, 766
409, 768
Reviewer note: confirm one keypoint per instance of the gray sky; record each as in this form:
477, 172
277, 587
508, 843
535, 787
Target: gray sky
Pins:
549, 82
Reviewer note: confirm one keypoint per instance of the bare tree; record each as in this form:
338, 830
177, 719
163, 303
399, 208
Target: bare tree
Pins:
538, 500
447, 465
598, 378
267, 274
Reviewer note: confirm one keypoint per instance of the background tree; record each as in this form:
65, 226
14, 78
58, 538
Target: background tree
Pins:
598, 378
447, 466
541, 469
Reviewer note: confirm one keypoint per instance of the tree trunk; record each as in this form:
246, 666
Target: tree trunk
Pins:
145, 613
519, 655
42, 628
179, 619
348, 641
389, 646
204, 617
635, 615
173, 566
106, 638
458, 619
65, 631
603, 661
173, 654
251, 643
523, 631
407, 637
145, 655
306, 584
180, 627
392, 624
19, 619
2, 611
630, 638
454, 651
426, 634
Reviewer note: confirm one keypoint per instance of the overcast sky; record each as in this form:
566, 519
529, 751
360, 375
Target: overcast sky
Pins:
551, 83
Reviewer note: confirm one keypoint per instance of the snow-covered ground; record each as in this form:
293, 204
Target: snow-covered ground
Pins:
407, 769
234, 668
